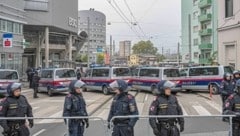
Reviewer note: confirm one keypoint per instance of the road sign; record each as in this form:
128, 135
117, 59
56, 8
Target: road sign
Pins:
7, 40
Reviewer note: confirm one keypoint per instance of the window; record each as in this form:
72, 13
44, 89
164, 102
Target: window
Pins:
228, 69
65, 73
195, 2
195, 55
121, 72
195, 41
149, 72
100, 73
195, 29
9, 26
46, 74
10, 75
3, 25
228, 8
38, 5
203, 71
171, 73
195, 15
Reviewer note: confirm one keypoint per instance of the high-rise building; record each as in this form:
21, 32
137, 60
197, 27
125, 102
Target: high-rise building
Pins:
199, 30
97, 36
124, 48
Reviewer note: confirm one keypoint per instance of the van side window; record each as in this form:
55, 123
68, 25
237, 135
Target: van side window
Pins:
121, 72
65, 73
204, 71
100, 72
10, 75
46, 74
171, 73
149, 72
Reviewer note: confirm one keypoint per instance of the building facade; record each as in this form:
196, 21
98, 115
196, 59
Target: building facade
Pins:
51, 30
12, 20
199, 30
124, 48
93, 22
229, 33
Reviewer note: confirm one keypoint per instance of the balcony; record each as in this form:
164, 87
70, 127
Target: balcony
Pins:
205, 46
204, 3
204, 17
205, 32
204, 61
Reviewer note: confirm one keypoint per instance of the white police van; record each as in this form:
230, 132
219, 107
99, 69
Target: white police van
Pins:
99, 78
200, 78
7, 76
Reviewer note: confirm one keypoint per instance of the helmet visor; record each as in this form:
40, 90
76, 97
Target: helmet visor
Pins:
114, 85
16, 86
169, 84
79, 84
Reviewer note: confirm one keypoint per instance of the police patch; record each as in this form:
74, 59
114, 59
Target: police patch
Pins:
227, 104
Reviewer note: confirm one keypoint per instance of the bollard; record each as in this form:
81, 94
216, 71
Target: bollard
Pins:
210, 91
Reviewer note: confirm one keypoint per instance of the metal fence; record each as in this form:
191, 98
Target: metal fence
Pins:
194, 125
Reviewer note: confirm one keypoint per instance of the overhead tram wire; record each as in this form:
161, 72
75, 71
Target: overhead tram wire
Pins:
122, 16
128, 7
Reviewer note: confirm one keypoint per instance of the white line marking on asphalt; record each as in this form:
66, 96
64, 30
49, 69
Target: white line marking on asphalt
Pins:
39, 132
146, 98
26, 90
34, 108
201, 110
183, 110
58, 114
215, 106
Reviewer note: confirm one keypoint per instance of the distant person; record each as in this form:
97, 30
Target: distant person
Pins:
165, 104
123, 104
28, 72
78, 74
75, 106
35, 84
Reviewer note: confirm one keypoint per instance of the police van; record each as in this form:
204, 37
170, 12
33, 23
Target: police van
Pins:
54, 80
7, 76
147, 78
99, 78
200, 78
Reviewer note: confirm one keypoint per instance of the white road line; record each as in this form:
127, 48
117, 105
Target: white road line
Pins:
58, 114
183, 110
34, 108
215, 106
146, 98
39, 132
201, 110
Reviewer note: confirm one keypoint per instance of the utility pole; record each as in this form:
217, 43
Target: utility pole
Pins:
162, 51
110, 52
88, 54
190, 37
178, 54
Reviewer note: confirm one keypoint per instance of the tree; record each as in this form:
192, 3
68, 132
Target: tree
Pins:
100, 58
144, 47
213, 58
160, 57
84, 58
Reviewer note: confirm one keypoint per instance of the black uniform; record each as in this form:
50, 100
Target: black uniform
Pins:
226, 89
123, 105
15, 107
75, 105
35, 84
165, 105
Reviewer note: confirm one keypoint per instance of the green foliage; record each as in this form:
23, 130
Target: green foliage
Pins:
100, 58
160, 57
144, 47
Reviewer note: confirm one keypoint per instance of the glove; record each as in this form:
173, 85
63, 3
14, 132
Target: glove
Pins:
181, 127
87, 123
31, 123
156, 132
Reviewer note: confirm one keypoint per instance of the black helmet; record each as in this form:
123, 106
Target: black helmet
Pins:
12, 87
227, 75
162, 85
119, 84
75, 84
235, 72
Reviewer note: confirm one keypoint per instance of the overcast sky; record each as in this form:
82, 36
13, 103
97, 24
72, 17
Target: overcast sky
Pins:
160, 20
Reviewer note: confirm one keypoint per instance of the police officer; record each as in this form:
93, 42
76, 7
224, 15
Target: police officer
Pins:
227, 86
78, 74
123, 104
165, 104
35, 84
75, 106
236, 75
15, 105
232, 107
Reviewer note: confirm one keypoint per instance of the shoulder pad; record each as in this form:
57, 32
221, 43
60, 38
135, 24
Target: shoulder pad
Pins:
130, 96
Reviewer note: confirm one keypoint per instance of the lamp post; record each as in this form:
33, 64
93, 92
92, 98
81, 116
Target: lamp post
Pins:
88, 54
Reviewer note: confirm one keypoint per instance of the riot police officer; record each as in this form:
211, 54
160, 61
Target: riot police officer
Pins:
75, 106
236, 75
227, 86
123, 104
15, 105
232, 107
165, 104
35, 84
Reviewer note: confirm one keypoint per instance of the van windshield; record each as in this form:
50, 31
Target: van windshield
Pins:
121, 72
171, 73
8, 75
65, 73
228, 70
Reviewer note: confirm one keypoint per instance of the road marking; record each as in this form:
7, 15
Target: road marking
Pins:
26, 90
39, 132
146, 98
201, 110
215, 106
58, 114
34, 108
183, 110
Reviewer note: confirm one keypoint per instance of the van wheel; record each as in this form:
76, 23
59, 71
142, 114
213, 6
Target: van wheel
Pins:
105, 90
50, 94
153, 88
215, 89
84, 89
